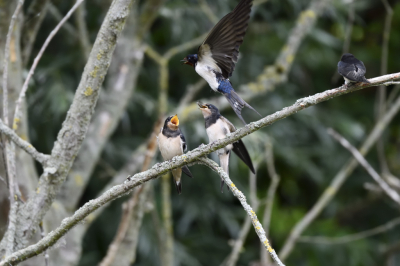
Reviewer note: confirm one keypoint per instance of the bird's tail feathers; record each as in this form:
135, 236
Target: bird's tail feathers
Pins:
187, 172
238, 103
224, 162
177, 173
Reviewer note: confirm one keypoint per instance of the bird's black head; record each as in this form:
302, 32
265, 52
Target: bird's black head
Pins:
190, 60
347, 57
172, 122
208, 109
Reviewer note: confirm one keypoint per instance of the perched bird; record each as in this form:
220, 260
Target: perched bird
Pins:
172, 143
217, 55
352, 69
217, 127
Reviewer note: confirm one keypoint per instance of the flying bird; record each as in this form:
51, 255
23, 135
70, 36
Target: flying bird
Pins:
171, 143
217, 127
352, 69
217, 56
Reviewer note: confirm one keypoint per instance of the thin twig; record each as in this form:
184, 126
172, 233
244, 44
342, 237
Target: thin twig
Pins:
337, 182
17, 113
128, 207
26, 146
269, 202
238, 194
53, 10
321, 240
192, 157
363, 162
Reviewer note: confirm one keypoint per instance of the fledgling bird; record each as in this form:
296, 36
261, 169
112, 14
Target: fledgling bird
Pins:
217, 127
217, 56
352, 69
171, 143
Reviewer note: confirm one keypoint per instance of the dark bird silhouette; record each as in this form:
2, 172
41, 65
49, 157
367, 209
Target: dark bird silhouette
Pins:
171, 143
217, 56
217, 127
352, 69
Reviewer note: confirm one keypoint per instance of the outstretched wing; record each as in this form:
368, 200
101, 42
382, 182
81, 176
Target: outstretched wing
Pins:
223, 42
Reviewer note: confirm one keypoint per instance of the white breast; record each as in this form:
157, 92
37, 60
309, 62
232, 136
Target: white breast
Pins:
169, 147
218, 131
206, 72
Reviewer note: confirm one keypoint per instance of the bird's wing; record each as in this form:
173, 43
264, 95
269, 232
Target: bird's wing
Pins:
185, 169
238, 147
240, 150
223, 42
231, 127
183, 142
353, 72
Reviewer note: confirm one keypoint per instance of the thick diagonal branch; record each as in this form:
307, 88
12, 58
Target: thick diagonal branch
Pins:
75, 126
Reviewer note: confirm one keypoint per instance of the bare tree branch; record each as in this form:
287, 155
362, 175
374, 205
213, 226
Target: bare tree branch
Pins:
26, 146
321, 240
179, 161
363, 162
75, 126
17, 113
68, 27
337, 181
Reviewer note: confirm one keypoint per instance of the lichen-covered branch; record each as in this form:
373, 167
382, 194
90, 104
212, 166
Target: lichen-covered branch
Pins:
178, 161
75, 126
26, 146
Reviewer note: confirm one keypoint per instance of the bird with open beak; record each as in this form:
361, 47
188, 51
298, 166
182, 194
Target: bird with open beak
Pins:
217, 127
217, 56
352, 69
171, 143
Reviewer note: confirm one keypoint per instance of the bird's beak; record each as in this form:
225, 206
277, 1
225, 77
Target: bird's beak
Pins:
186, 62
175, 120
201, 105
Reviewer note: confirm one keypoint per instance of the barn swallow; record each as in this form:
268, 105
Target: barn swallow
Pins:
171, 143
352, 69
217, 127
217, 56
